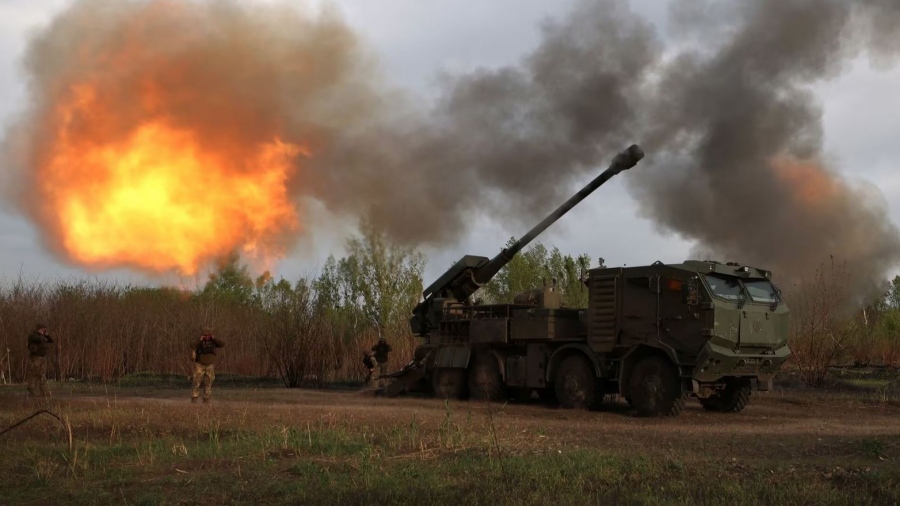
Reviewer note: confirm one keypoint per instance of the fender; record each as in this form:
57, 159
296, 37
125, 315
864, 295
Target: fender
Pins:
553, 362
453, 356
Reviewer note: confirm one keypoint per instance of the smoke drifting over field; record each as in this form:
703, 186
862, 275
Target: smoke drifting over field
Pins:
732, 132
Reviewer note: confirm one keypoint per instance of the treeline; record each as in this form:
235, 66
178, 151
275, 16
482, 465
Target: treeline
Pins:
309, 331
314, 330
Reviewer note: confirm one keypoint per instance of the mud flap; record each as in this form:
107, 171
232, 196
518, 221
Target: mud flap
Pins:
763, 384
455, 357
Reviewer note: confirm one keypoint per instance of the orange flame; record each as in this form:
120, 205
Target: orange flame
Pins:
808, 181
158, 197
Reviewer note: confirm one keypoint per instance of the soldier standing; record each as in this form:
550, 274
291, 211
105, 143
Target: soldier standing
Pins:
381, 355
39, 342
204, 356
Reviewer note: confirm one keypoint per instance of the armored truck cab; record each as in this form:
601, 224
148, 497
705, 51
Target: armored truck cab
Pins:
722, 327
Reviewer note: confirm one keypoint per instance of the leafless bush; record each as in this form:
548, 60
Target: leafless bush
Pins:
293, 334
821, 321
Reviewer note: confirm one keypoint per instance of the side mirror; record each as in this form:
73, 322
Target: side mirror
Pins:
653, 283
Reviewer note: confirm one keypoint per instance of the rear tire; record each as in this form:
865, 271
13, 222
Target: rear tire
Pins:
485, 379
733, 399
576, 384
449, 383
655, 388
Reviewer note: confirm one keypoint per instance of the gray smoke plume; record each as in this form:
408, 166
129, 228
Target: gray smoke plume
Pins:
733, 130
501, 141
742, 169
726, 114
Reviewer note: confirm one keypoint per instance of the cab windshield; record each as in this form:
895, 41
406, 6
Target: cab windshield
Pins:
761, 291
726, 288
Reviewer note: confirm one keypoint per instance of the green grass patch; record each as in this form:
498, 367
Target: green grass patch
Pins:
868, 384
314, 447
293, 465
581, 477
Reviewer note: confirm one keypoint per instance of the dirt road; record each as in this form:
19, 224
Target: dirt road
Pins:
784, 425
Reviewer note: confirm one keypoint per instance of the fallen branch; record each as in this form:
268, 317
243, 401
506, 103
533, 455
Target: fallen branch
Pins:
64, 423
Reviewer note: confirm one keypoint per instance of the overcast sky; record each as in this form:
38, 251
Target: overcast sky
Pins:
415, 40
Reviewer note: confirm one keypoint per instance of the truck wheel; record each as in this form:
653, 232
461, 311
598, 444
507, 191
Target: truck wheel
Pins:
449, 383
576, 384
485, 380
655, 388
733, 399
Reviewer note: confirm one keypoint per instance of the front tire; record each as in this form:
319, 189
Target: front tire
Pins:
733, 399
575, 384
655, 388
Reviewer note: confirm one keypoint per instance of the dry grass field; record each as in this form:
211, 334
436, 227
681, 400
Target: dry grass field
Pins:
140, 444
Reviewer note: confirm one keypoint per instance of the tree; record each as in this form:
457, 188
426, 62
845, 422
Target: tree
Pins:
295, 334
231, 280
892, 298
381, 278
537, 265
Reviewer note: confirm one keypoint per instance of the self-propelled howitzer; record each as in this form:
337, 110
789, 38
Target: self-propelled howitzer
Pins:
653, 335
471, 272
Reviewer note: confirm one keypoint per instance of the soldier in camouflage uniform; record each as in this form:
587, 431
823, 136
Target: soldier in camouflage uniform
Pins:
370, 363
204, 356
381, 355
39, 342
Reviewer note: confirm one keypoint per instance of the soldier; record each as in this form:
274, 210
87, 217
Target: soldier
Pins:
39, 342
370, 363
204, 356
381, 355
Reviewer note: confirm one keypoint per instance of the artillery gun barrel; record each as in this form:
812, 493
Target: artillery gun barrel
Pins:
472, 272
623, 161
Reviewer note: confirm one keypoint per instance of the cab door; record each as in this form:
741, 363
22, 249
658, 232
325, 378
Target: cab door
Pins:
680, 313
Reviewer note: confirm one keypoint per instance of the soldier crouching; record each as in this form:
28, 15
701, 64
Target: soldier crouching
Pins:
204, 364
370, 363
381, 351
